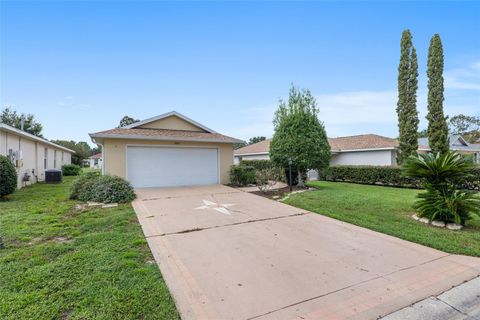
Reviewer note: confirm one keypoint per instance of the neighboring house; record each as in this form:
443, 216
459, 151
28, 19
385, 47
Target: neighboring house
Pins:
167, 150
95, 161
31, 155
367, 149
457, 143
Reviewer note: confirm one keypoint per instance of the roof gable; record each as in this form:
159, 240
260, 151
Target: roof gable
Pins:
170, 121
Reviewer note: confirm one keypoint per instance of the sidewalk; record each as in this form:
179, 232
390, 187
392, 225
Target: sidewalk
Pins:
461, 302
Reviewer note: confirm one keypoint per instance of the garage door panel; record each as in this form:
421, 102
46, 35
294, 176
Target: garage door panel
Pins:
170, 166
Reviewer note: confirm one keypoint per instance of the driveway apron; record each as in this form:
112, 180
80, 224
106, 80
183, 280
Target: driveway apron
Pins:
228, 254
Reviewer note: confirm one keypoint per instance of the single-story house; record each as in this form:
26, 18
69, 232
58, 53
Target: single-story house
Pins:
457, 143
366, 149
167, 150
31, 155
94, 162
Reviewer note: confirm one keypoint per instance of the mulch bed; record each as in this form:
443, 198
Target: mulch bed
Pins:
278, 194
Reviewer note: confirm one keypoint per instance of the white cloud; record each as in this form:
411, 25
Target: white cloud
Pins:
69, 102
467, 78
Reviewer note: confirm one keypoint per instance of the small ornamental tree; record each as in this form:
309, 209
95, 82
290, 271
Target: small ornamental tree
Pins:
437, 122
299, 135
8, 177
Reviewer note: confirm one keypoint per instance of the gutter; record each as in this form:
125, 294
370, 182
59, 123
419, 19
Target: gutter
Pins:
95, 136
27, 135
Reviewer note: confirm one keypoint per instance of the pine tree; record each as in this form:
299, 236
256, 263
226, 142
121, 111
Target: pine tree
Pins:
407, 98
437, 122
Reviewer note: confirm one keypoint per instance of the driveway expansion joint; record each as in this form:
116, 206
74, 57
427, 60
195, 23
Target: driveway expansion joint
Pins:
227, 225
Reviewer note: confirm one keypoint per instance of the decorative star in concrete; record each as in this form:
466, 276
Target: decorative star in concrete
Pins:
220, 207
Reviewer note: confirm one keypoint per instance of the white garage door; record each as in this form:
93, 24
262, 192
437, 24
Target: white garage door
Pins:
169, 167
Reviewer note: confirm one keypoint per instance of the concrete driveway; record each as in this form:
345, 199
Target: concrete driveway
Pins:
228, 254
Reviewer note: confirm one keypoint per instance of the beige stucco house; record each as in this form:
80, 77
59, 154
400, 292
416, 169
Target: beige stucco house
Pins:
31, 155
166, 150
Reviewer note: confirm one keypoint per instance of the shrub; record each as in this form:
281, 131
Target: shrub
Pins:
8, 177
266, 178
106, 189
81, 182
242, 175
71, 170
379, 175
257, 164
441, 175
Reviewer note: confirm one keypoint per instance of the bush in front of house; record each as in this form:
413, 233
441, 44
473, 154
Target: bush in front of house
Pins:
389, 176
378, 175
106, 189
8, 177
441, 175
71, 170
81, 183
257, 164
241, 175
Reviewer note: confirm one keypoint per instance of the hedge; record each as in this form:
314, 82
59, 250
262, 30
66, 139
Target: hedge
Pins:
387, 176
257, 164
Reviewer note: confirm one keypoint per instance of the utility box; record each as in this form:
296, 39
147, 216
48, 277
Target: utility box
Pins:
53, 176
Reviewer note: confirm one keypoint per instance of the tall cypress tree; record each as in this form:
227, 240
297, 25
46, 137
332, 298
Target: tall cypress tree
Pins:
437, 122
407, 98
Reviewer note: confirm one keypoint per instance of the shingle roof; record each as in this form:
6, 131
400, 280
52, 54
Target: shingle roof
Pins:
163, 134
359, 142
96, 156
259, 147
364, 141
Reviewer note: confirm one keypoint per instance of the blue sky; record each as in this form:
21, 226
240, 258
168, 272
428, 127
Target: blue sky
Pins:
81, 66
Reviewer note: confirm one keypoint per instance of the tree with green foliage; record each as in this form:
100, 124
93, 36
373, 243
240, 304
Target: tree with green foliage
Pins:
466, 126
299, 135
126, 120
407, 98
10, 117
437, 122
423, 133
256, 139
82, 150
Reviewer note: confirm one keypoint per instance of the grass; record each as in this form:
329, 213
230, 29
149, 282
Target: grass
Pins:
61, 263
387, 210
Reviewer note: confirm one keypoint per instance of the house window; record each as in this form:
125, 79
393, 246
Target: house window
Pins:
45, 158
63, 158
55, 158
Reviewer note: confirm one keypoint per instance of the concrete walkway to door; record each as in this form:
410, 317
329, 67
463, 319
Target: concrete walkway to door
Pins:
228, 254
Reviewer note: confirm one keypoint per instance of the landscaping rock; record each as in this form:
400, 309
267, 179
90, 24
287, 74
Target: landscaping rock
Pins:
439, 224
94, 204
454, 226
80, 206
424, 220
110, 205
415, 217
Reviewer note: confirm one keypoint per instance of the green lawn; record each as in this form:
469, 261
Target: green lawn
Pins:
386, 210
61, 263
